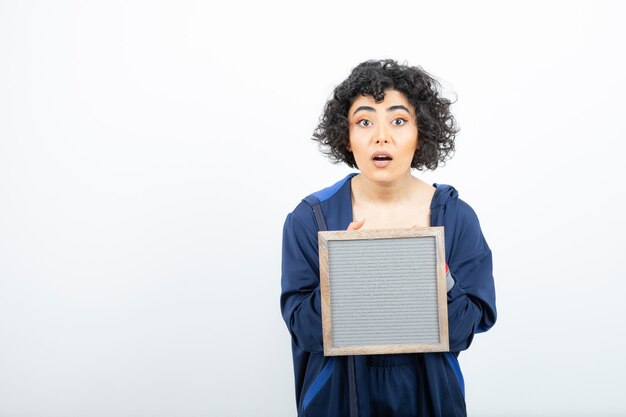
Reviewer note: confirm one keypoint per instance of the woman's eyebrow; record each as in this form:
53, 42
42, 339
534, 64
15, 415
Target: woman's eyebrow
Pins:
399, 107
366, 108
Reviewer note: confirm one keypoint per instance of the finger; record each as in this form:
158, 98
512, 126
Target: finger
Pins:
356, 225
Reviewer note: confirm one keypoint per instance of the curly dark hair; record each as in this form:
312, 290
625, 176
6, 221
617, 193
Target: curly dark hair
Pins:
436, 126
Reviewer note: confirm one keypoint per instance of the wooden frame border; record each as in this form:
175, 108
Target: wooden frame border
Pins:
442, 300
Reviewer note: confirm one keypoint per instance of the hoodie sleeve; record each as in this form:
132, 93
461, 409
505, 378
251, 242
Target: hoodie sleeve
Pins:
471, 301
300, 297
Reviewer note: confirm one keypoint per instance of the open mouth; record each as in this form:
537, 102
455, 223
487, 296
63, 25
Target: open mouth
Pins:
381, 159
382, 156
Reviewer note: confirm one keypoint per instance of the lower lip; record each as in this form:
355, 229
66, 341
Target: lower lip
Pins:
381, 164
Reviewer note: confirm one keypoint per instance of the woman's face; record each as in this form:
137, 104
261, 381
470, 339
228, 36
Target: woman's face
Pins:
383, 136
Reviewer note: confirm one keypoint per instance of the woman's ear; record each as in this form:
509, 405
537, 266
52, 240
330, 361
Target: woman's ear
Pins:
349, 148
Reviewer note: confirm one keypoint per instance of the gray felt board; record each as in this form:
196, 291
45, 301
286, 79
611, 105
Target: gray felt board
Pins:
383, 291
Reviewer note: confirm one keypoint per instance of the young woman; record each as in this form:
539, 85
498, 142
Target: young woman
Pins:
385, 119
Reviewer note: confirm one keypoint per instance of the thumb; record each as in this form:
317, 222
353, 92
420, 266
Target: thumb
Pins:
356, 225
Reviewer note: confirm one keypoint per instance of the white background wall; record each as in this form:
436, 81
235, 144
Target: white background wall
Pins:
149, 152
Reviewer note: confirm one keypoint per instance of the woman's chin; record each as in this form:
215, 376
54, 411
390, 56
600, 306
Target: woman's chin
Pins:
385, 176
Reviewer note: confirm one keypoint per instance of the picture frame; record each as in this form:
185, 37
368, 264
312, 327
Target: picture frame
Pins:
383, 291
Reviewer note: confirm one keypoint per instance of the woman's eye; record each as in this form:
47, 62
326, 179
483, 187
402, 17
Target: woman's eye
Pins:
364, 123
399, 121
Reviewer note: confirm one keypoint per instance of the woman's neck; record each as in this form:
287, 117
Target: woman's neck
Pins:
366, 191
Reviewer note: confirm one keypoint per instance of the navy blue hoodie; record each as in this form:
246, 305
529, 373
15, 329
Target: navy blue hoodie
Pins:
339, 386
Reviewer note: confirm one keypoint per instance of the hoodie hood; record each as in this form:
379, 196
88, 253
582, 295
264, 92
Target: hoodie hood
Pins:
443, 194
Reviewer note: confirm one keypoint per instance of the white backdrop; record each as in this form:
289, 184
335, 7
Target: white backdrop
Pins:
150, 151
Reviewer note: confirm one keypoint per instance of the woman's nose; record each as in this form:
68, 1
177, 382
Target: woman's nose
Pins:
382, 134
